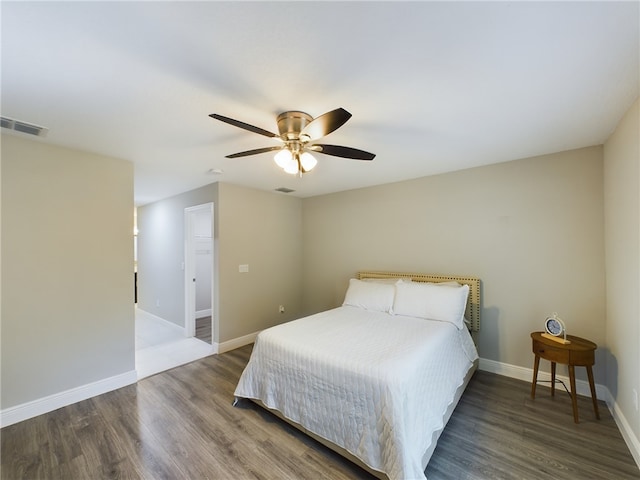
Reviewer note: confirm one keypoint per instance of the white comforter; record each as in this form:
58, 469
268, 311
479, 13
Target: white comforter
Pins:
374, 384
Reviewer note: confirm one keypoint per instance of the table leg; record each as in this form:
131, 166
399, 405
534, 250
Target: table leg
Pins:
536, 364
553, 378
574, 397
593, 391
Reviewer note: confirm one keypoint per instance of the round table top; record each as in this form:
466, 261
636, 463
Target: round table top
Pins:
577, 343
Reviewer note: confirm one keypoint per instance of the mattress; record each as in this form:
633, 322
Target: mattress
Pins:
374, 384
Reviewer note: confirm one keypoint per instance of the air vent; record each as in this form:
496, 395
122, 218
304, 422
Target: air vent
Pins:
23, 127
284, 190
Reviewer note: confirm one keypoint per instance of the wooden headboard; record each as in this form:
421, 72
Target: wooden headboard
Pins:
473, 301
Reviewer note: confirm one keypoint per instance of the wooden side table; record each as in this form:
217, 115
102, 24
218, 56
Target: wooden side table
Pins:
578, 353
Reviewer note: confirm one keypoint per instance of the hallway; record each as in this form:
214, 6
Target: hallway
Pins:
161, 346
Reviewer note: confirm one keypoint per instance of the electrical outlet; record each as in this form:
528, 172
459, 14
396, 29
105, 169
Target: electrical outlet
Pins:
281, 309
635, 399
157, 302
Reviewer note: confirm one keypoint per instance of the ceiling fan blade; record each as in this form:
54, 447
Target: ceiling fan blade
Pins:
345, 152
326, 123
254, 152
246, 126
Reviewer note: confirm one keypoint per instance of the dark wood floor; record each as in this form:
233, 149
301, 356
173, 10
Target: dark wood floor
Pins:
181, 424
203, 329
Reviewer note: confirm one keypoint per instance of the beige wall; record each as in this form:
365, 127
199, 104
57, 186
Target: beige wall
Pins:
622, 227
531, 230
262, 230
67, 269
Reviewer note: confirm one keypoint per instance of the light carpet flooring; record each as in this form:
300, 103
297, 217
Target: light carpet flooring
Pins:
161, 346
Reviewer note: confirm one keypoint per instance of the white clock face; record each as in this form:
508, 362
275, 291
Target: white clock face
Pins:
553, 327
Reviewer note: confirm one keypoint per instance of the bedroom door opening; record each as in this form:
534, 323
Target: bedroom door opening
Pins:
199, 267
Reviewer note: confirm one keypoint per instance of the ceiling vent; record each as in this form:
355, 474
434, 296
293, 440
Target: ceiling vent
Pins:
23, 127
284, 190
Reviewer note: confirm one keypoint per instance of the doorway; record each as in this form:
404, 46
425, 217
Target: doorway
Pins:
199, 268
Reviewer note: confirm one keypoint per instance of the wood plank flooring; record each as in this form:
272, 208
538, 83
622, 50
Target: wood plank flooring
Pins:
181, 424
203, 329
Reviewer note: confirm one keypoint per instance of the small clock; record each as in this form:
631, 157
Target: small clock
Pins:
555, 329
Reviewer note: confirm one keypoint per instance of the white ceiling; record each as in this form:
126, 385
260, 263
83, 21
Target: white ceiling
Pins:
432, 86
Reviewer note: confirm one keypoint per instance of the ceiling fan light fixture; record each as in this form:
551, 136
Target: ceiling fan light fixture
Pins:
291, 167
283, 158
294, 163
307, 161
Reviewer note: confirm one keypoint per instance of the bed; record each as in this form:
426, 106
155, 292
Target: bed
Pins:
377, 378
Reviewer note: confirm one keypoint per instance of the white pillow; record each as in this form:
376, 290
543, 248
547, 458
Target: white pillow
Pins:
427, 300
370, 295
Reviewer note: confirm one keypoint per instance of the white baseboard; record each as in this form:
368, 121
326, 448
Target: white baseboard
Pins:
203, 313
526, 374
627, 433
235, 343
582, 388
16, 414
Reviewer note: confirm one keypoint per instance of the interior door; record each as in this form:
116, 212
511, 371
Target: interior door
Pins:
199, 266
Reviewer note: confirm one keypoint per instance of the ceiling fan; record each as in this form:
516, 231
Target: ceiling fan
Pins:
298, 131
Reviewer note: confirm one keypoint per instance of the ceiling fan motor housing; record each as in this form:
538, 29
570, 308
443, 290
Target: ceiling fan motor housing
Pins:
290, 124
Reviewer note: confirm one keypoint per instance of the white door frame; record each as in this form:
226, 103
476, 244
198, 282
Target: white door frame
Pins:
190, 269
